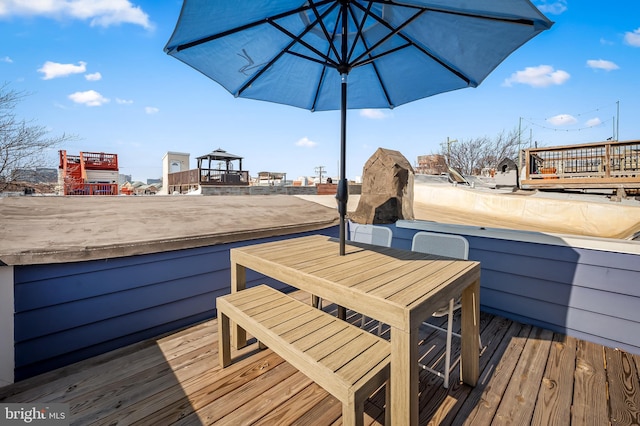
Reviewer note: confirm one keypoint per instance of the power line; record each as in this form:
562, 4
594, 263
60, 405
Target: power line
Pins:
536, 121
591, 111
556, 129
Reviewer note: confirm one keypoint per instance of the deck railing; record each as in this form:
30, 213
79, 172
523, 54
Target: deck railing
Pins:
224, 177
91, 189
99, 161
187, 180
610, 164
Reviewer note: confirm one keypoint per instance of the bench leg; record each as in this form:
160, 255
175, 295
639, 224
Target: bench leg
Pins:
342, 313
315, 301
387, 405
353, 413
224, 340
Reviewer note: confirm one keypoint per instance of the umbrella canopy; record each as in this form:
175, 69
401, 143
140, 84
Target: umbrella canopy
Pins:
383, 53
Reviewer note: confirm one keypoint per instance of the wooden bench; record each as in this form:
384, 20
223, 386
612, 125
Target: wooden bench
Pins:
348, 362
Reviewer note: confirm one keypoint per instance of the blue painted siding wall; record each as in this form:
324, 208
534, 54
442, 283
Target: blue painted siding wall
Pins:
582, 292
68, 312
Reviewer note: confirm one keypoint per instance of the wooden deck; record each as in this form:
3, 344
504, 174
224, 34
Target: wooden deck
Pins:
528, 376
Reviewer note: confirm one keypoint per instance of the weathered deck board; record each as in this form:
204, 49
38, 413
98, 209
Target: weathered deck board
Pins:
518, 401
528, 376
494, 332
556, 390
590, 406
625, 399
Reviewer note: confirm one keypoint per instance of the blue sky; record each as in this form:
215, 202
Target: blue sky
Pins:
96, 69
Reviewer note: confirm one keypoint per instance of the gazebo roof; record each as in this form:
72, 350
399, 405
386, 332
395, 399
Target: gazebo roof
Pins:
220, 155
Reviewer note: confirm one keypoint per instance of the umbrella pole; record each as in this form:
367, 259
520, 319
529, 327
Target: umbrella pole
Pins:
343, 188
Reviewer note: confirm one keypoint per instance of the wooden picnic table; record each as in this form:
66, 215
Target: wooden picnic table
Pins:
401, 288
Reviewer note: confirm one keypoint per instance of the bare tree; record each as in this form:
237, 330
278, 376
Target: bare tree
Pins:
470, 156
22, 143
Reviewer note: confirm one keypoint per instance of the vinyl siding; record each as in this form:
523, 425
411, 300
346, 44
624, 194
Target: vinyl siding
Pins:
562, 284
6, 325
68, 312
71, 311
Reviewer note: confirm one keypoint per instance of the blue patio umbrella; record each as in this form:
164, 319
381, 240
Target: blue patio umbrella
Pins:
337, 54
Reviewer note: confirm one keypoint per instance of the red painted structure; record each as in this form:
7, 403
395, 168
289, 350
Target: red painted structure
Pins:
90, 173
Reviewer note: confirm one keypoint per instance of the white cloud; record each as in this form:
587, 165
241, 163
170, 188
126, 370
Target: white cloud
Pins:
7, 60
374, 114
93, 77
123, 101
633, 38
562, 120
601, 64
540, 76
553, 7
306, 142
55, 70
88, 98
151, 110
593, 122
102, 13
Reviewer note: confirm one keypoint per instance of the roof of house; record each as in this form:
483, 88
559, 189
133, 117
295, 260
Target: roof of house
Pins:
65, 229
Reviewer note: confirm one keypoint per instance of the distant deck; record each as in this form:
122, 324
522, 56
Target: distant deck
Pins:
185, 181
599, 165
528, 376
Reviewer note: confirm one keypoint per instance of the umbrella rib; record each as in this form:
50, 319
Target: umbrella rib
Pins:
315, 97
476, 15
368, 49
320, 22
298, 39
327, 63
324, 69
382, 85
212, 37
520, 21
259, 73
394, 31
397, 31
294, 39
360, 27
371, 57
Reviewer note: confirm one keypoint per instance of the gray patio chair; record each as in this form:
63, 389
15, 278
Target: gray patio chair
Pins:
372, 234
454, 246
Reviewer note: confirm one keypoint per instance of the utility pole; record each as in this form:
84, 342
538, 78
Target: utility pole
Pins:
617, 120
449, 142
519, 143
319, 171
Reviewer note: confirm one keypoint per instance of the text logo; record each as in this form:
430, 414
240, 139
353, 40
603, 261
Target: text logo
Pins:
53, 414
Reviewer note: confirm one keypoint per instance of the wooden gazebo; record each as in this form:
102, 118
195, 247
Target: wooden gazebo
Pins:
214, 169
